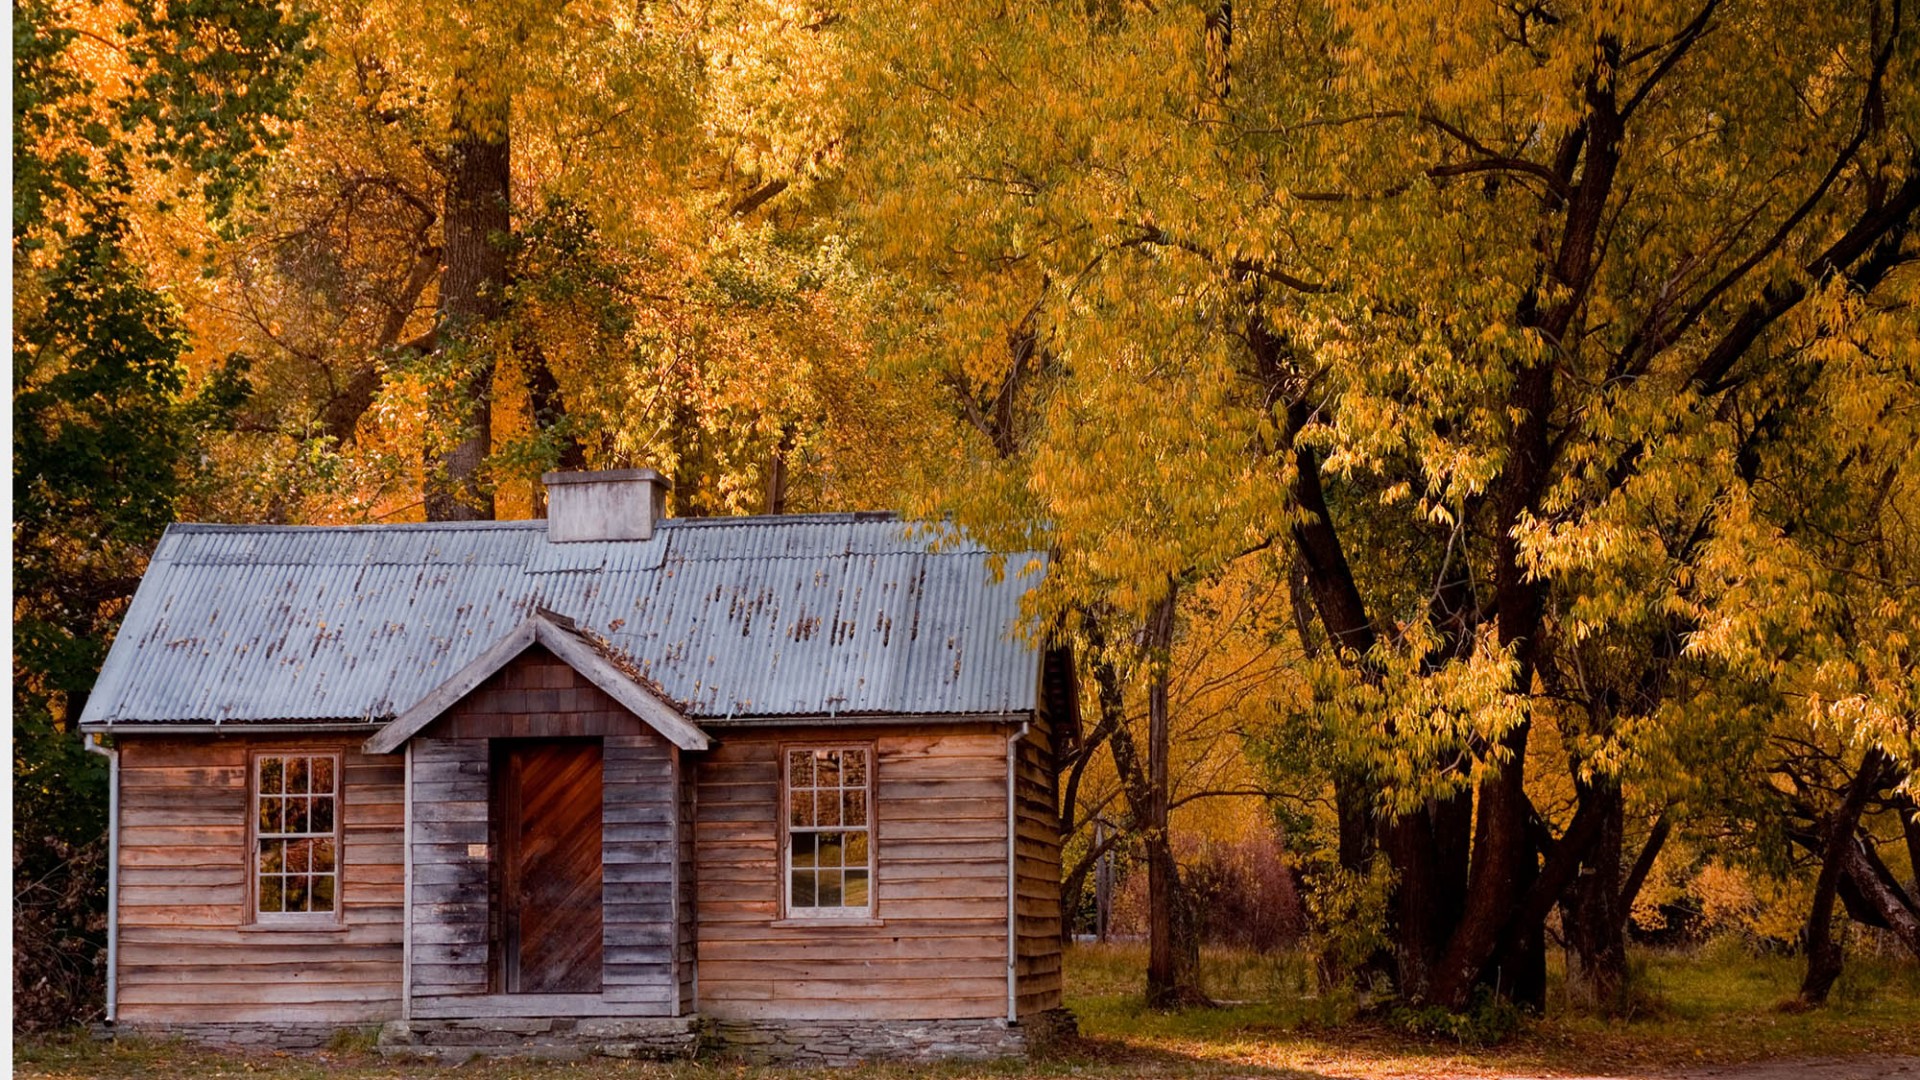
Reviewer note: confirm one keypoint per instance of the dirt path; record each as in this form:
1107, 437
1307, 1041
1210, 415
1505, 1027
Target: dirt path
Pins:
1872, 1067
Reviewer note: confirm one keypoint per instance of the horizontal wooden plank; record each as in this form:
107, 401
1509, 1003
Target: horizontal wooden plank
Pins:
369, 1009
532, 1005
991, 947
278, 937
138, 835
470, 953
281, 993
134, 777
263, 970
737, 1007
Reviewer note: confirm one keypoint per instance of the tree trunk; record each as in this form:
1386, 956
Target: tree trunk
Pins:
1596, 923
340, 417
1642, 866
549, 415
1172, 939
1909, 814
1824, 957
777, 471
478, 223
1891, 907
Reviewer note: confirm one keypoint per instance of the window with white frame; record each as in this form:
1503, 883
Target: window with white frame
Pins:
296, 828
829, 832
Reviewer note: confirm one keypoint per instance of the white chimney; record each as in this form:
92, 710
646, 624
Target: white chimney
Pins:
615, 504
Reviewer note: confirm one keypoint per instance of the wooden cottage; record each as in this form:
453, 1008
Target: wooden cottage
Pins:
603, 782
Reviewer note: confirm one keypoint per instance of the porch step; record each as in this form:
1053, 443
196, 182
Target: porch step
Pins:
553, 1038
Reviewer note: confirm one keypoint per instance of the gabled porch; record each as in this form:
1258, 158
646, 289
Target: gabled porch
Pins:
548, 841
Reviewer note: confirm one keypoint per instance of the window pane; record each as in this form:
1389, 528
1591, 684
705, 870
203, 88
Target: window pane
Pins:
321, 817
800, 769
269, 894
856, 888
273, 857
322, 857
853, 768
323, 775
830, 846
829, 888
298, 852
296, 815
270, 769
323, 893
296, 775
803, 849
826, 769
828, 804
297, 894
270, 807
801, 812
856, 849
854, 805
803, 893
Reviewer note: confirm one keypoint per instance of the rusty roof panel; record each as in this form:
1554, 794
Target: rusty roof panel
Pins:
734, 617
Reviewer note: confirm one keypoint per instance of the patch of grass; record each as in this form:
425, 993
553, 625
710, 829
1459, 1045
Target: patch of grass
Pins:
354, 1040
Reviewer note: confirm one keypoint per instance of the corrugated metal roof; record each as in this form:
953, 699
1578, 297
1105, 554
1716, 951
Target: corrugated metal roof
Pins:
733, 617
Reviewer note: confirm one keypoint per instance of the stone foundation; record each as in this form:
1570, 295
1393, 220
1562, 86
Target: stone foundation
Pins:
848, 1042
658, 1039
801, 1042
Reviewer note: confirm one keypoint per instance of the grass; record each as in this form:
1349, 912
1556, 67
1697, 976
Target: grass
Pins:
1717, 1005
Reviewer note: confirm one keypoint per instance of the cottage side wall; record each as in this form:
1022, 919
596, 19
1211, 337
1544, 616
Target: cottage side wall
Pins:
188, 952
1038, 960
940, 813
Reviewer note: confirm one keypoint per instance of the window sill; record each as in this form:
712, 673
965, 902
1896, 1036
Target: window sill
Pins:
783, 924
318, 926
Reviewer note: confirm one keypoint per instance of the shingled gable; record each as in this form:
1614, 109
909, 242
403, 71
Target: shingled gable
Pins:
562, 638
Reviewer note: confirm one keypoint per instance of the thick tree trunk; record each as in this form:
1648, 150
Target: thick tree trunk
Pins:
478, 224
1596, 921
1419, 929
1824, 956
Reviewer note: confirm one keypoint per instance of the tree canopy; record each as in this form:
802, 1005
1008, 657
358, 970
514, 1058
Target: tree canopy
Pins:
1482, 439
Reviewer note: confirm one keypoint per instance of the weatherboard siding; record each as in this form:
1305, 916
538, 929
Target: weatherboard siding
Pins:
188, 951
940, 887
1039, 963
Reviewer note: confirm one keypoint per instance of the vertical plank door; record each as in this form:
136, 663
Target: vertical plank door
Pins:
551, 886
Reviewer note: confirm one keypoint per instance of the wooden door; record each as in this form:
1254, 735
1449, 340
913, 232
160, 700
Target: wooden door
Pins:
550, 867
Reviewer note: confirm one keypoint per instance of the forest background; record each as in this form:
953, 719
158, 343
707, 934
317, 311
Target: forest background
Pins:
1479, 445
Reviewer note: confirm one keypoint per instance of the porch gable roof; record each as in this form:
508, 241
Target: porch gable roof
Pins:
558, 635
